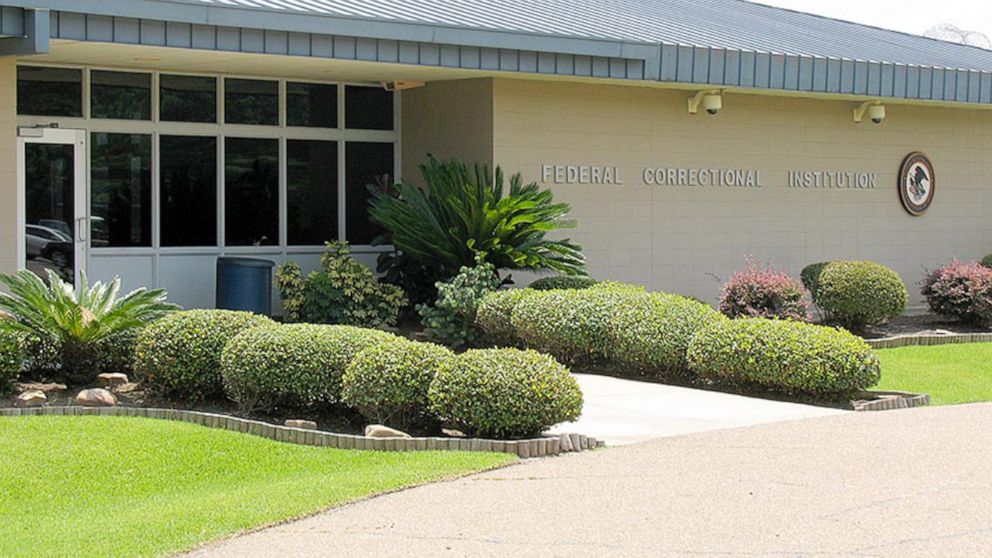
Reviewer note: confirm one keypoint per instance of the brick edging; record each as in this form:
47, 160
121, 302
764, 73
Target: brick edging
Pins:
892, 400
927, 340
538, 447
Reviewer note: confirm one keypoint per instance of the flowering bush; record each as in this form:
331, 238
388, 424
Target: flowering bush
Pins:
762, 292
960, 290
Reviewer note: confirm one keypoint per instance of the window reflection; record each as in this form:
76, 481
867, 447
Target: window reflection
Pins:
251, 198
120, 190
188, 190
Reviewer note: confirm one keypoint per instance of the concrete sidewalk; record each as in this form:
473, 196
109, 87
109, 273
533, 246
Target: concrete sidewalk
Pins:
897, 483
626, 411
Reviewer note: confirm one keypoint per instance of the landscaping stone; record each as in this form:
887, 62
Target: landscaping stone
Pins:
382, 431
96, 397
451, 432
31, 399
300, 423
566, 443
112, 379
44, 388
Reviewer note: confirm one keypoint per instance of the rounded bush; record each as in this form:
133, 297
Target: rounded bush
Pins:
860, 293
987, 261
504, 393
388, 382
960, 290
572, 326
762, 292
12, 356
651, 333
617, 286
494, 314
784, 355
179, 355
810, 276
563, 282
292, 366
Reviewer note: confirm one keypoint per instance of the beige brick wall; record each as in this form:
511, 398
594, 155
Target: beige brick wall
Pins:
448, 119
681, 239
8, 165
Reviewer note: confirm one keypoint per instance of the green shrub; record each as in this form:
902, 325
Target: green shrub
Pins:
785, 356
292, 366
650, 333
117, 352
452, 318
987, 261
572, 326
344, 292
810, 276
504, 393
388, 382
859, 293
617, 286
12, 356
75, 322
179, 356
494, 314
563, 282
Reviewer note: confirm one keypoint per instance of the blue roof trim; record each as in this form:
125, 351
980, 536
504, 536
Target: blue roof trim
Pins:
209, 26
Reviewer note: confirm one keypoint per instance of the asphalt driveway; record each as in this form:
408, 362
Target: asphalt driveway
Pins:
899, 483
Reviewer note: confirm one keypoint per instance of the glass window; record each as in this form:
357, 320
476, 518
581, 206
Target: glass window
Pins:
312, 104
368, 108
49, 91
249, 101
187, 98
312, 192
188, 190
120, 95
251, 194
366, 164
121, 190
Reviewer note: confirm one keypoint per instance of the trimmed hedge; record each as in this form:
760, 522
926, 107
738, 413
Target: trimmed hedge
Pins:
650, 333
504, 393
987, 261
786, 356
855, 294
179, 355
572, 326
494, 315
563, 282
12, 356
617, 286
810, 276
388, 383
292, 366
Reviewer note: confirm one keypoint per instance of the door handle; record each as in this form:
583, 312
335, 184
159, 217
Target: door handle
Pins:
81, 231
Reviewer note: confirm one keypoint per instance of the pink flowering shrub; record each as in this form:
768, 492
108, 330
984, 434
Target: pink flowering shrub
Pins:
961, 290
761, 292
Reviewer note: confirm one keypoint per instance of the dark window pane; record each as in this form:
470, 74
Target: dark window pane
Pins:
121, 95
121, 190
368, 108
49, 91
365, 164
249, 101
189, 190
251, 194
312, 196
187, 98
312, 104
49, 173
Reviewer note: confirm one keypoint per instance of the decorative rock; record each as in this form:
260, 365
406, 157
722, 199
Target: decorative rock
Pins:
452, 433
300, 423
112, 379
381, 431
31, 399
96, 397
44, 388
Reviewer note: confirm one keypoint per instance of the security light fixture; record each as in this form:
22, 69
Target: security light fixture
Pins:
709, 100
874, 110
401, 85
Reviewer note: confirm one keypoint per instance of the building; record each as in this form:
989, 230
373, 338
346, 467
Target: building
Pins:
143, 138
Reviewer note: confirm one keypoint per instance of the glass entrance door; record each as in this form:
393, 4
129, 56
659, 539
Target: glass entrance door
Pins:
52, 179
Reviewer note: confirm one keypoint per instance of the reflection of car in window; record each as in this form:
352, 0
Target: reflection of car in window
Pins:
38, 238
56, 224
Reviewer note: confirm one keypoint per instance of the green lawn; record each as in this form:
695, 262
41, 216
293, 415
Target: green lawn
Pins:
109, 486
951, 374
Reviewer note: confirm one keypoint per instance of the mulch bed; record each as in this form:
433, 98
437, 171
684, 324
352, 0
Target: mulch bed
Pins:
922, 324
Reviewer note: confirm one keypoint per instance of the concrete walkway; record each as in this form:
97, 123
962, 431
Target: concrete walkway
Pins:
625, 411
897, 483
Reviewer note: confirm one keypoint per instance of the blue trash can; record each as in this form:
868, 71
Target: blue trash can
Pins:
245, 284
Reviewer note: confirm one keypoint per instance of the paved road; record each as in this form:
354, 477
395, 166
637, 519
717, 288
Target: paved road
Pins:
626, 411
899, 483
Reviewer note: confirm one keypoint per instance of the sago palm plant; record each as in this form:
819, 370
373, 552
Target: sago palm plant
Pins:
462, 212
76, 322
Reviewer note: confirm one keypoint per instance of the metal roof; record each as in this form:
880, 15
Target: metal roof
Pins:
726, 24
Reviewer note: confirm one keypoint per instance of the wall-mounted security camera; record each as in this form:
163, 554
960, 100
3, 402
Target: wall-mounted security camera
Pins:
710, 101
873, 110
